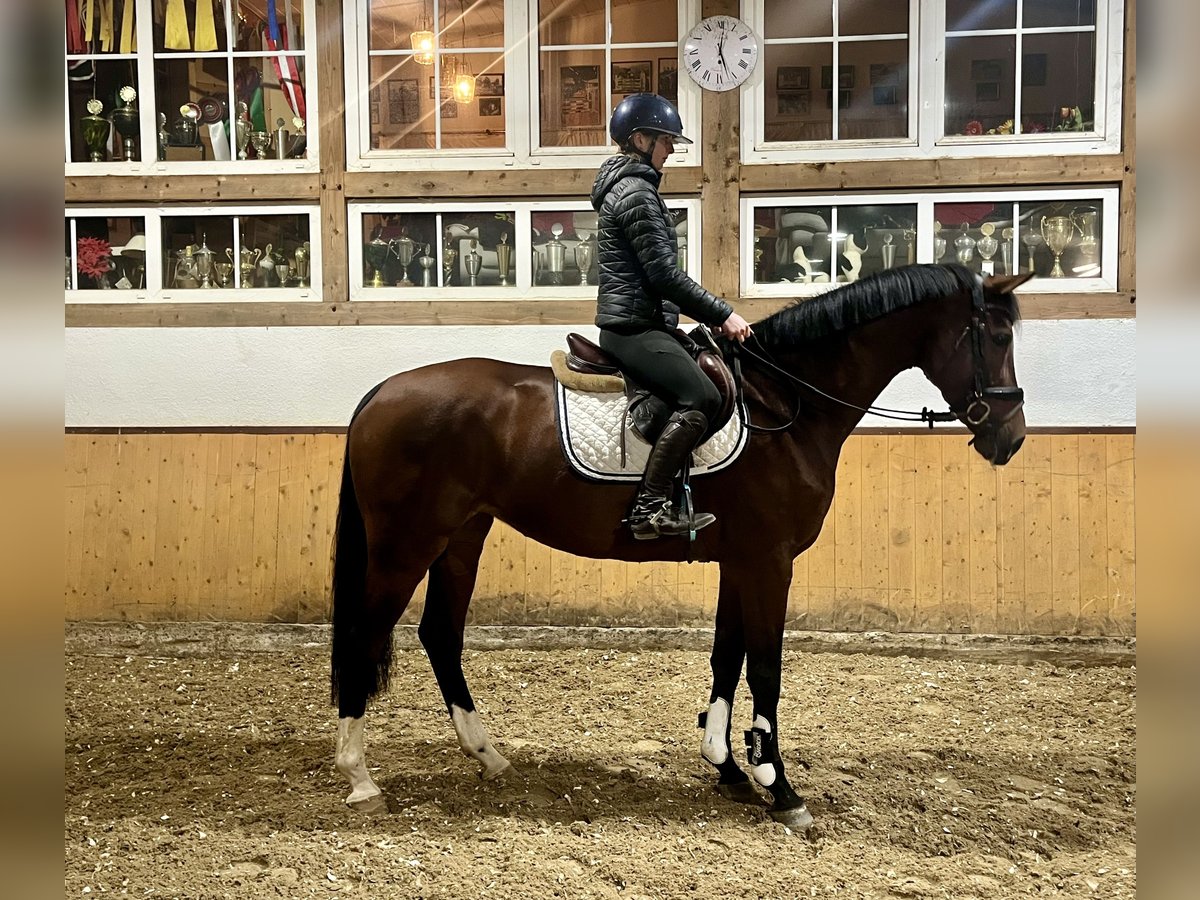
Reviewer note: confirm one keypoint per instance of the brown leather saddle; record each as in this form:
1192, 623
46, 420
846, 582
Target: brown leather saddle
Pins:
648, 413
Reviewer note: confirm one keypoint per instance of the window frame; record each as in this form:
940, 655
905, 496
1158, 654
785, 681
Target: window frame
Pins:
148, 125
522, 287
156, 290
521, 149
925, 201
927, 98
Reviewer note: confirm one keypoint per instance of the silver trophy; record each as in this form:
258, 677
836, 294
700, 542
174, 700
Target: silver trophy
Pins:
473, 263
556, 252
449, 257
242, 128
1031, 239
283, 272
1006, 250
375, 253
537, 265
887, 251
204, 262
910, 245
964, 246
585, 253
300, 262
987, 247
504, 258
261, 142
125, 119
283, 139
939, 242
405, 249
164, 136
427, 263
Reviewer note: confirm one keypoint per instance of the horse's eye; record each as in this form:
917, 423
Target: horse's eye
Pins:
1003, 338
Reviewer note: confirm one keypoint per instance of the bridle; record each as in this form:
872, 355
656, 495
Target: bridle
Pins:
976, 411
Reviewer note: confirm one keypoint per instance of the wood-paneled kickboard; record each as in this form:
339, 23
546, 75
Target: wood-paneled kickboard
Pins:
923, 536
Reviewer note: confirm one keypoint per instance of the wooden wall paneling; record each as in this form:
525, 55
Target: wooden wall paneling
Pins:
983, 479
878, 611
1119, 489
955, 611
711, 581
482, 183
291, 520
121, 522
335, 261
797, 611
75, 522
538, 579
588, 595
513, 550
262, 598
159, 190
240, 547
1064, 509
847, 548
1095, 610
1010, 547
927, 530
613, 586
562, 588
1039, 580
193, 522
162, 598
823, 603
216, 556
640, 600
901, 528
322, 487
101, 459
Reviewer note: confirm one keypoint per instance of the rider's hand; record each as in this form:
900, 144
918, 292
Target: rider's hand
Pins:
735, 328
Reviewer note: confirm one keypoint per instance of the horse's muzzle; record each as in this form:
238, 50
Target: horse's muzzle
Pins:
999, 442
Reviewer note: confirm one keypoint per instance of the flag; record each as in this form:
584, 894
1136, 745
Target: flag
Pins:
285, 66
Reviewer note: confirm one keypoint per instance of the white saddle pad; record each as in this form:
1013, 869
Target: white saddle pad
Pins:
589, 429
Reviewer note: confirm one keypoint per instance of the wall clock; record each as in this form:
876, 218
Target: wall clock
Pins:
720, 53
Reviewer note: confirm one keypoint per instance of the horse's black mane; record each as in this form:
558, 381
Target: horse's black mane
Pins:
863, 301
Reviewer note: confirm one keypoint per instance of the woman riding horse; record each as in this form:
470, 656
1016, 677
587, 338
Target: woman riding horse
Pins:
642, 290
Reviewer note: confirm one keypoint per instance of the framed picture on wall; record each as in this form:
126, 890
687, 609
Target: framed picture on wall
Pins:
449, 109
885, 73
883, 95
580, 92
403, 101
845, 77
793, 103
668, 78
489, 86
987, 91
630, 77
792, 78
491, 106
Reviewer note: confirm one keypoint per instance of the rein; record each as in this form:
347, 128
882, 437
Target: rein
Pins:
977, 410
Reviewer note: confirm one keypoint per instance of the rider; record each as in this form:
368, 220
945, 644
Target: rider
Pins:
642, 291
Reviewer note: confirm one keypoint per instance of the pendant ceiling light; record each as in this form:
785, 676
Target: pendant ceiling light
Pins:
422, 42
463, 81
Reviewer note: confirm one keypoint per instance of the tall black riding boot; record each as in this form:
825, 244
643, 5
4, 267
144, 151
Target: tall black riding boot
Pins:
653, 513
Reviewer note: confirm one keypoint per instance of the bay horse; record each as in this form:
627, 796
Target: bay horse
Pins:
436, 454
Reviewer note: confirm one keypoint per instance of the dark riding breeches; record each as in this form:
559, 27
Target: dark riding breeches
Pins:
657, 362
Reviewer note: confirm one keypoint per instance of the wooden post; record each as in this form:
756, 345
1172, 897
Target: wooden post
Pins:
720, 137
335, 261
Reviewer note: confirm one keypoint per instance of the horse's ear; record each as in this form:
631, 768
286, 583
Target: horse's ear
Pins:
1005, 284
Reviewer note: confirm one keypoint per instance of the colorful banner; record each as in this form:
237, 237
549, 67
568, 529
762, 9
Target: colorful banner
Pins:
177, 36
285, 66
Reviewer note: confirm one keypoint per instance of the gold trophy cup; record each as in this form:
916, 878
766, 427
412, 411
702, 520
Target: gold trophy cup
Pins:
1057, 232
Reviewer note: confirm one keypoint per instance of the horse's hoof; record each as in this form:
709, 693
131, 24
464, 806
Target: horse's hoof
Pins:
369, 806
741, 792
499, 771
798, 818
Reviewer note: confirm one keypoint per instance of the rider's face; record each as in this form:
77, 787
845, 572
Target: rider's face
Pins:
659, 146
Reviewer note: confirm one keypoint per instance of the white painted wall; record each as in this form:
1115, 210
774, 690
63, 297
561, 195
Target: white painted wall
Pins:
1075, 373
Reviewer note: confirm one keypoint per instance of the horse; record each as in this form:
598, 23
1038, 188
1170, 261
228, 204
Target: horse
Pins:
436, 454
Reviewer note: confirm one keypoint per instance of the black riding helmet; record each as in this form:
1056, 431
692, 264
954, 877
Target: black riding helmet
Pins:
645, 112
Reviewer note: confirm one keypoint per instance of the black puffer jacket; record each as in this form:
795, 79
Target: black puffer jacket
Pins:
640, 285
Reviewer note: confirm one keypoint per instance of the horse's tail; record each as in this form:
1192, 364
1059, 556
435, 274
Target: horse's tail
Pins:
350, 592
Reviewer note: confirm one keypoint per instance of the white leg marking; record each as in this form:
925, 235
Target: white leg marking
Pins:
715, 748
474, 742
764, 774
351, 760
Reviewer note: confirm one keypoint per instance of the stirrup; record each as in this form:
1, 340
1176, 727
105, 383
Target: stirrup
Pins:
666, 521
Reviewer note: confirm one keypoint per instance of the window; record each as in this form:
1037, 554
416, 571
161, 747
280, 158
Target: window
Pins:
879, 79
210, 253
431, 83
527, 249
190, 85
805, 246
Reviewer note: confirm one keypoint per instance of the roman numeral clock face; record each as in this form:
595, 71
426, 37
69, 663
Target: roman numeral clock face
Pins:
720, 53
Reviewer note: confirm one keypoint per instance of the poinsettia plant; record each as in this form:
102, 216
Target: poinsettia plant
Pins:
94, 255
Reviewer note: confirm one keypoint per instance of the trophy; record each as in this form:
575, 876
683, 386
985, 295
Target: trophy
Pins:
504, 258
1057, 232
964, 246
888, 251
449, 257
1006, 250
185, 128
556, 254
1031, 240
266, 266
222, 273
537, 264
283, 272
242, 128
426, 262
300, 261
95, 130
249, 262
473, 261
283, 139
404, 249
125, 120
910, 245
939, 242
680, 254
204, 262
585, 253
1089, 247
987, 247
375, 252
183, 273
261, 142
